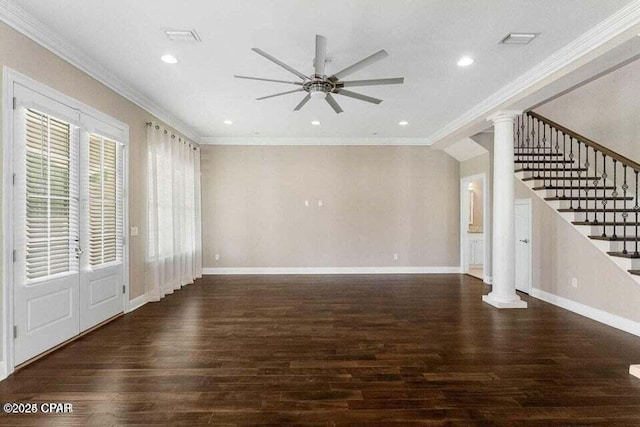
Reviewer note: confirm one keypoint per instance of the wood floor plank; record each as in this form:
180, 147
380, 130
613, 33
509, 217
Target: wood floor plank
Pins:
403, 350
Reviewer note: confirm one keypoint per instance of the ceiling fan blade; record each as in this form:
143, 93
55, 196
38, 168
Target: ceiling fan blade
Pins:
280, 63
331, 100
359, 96
381, 54
267, 80
373, 82
321, 55
304, 101
280, 94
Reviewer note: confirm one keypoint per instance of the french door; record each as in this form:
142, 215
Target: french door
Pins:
67, 223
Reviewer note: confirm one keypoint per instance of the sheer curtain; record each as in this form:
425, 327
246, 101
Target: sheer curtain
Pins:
174, 248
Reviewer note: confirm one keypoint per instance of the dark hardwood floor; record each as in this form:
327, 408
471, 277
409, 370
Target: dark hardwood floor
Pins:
335, 351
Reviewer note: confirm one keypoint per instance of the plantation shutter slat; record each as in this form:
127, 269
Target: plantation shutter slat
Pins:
51, 196
105, 204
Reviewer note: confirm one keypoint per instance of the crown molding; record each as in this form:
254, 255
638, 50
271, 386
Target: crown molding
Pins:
208, 140
25, 23
613, 26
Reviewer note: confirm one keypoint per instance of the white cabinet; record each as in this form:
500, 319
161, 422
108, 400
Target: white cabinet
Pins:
475, 248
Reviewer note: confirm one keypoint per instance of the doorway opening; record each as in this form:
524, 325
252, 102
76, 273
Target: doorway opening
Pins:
474, 218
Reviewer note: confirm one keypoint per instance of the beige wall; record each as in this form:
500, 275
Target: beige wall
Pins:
605, 110
29, 58
377, 201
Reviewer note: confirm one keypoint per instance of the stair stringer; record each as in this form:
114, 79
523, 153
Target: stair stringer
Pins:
625, 264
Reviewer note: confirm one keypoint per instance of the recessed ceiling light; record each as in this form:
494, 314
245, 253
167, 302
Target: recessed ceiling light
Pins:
228, 122
519, 38
465, 61
403, 123
169, 59
315, 123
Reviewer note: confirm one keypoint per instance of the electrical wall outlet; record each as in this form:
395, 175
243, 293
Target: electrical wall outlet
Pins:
395, 256
320, 203
134, 231
217, 257
306, 203
574, 282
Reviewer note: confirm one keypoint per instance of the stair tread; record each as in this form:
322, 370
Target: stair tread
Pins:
533, 153
629, 254
589, 198
567, 187
595, 210
553, 162
550, 170
559, 178
634, 272
616, 239
532, 147
605, 224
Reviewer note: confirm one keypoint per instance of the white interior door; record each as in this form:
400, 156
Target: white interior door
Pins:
523, 244
102, 261
46, 223
68, 219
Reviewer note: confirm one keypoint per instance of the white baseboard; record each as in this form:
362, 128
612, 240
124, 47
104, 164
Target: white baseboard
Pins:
333, 270
488, 280
592, 313
3, 370
136, 303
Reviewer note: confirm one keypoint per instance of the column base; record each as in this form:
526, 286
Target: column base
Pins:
502, 303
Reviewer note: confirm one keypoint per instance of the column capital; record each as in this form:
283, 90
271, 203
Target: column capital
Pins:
504, 115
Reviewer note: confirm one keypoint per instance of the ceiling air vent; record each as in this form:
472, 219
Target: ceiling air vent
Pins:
183, 35
519, 38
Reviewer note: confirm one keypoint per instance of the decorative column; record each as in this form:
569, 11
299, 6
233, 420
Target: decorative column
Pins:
503, 293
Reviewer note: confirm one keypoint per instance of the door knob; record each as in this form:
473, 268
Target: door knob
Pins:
525, 240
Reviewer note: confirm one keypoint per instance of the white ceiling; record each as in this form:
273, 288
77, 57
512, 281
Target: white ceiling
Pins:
424, 38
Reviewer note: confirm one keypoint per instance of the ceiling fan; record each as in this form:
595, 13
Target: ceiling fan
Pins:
320, 86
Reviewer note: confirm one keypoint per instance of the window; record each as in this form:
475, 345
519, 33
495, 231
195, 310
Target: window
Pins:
50, 196
105, 178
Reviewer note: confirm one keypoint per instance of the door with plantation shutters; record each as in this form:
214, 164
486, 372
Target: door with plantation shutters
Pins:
46, 228
102, 263
68, 222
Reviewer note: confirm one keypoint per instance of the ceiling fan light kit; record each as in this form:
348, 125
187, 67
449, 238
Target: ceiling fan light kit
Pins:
319, 86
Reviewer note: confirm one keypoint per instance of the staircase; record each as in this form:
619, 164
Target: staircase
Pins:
591, 186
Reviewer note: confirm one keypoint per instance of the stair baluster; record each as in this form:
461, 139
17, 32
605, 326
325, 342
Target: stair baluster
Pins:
604, 195
595, 187
579, 178
614, 194
625, 214
636, 208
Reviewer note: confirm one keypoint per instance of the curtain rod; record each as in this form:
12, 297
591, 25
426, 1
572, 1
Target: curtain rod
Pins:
173, 136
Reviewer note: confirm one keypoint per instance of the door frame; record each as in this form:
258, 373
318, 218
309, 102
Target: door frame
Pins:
528, 204
9, 78
464, 224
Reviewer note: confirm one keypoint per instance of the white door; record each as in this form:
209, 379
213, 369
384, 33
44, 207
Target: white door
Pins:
68, 224
102, 260
46, 228
523, 244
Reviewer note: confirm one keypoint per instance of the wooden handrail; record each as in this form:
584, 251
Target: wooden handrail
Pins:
619, 157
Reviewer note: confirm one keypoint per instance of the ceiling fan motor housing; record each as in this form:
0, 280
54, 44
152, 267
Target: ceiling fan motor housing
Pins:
318, 88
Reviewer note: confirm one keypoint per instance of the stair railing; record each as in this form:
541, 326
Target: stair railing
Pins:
577, 169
